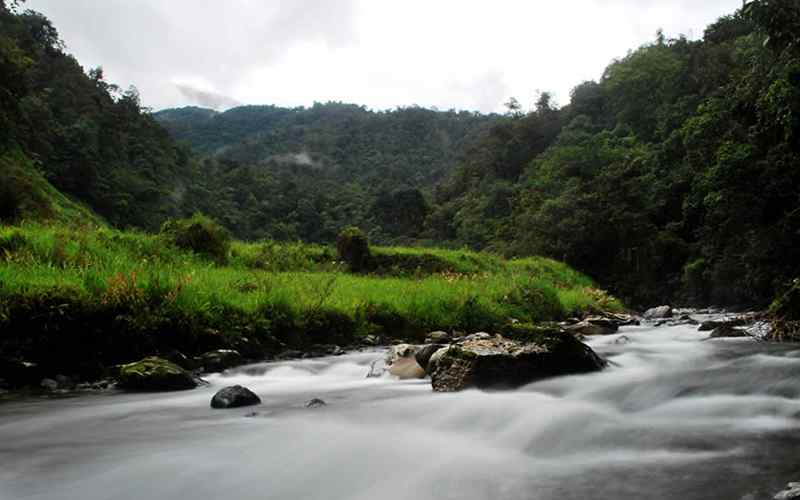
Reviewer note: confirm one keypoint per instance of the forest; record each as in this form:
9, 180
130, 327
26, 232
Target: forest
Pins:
674, 175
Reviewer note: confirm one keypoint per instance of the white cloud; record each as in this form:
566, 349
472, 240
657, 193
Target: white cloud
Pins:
463, 54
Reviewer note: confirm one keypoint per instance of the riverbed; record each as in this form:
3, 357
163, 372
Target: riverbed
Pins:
675, 416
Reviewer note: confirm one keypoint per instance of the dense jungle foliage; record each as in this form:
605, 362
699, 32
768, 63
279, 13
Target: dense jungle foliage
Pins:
675, 175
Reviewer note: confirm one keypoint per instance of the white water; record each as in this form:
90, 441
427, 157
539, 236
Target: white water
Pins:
675, 418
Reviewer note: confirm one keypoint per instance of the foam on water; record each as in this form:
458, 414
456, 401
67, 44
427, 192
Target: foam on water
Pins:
675, 416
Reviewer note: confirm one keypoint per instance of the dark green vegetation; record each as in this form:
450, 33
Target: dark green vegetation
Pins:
77, 301
309, 172
673, 178
676, 175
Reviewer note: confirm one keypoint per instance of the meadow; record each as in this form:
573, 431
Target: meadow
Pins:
81, 298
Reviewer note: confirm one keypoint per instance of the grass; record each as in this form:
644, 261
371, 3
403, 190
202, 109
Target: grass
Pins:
90, 297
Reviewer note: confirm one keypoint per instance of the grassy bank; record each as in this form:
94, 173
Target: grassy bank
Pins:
76, 300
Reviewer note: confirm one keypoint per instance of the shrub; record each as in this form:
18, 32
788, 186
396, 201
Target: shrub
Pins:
353, 248
201, 235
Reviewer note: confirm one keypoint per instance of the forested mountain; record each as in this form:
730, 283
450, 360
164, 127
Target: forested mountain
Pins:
675, 174
89, 138
308, 172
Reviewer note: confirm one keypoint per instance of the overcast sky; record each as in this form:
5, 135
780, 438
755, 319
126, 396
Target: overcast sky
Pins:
459, 54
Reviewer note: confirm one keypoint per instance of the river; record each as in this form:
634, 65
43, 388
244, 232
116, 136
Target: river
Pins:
675, 417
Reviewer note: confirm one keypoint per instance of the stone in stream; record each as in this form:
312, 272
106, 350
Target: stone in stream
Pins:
234, 396
792, 492
401, 362
424, 354
726, 330
438, 337
660, 312
316, 403
154, 374
219, 360
500, 362
588, 327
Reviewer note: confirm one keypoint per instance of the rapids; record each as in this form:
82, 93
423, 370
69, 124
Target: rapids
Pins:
674, 417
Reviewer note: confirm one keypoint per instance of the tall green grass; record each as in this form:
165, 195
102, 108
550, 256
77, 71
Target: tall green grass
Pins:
145, 289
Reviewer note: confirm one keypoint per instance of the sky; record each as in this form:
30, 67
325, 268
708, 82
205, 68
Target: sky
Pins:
447, 54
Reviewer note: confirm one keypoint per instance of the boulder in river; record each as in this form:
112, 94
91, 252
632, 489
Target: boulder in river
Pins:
316, 403
792, 492
660, 312
727, 330
234, 396
154, 374
219, 360
588, 327
438, 337
500, 362
401, 362
424, 354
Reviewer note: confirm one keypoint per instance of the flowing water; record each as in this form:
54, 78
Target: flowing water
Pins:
676, 417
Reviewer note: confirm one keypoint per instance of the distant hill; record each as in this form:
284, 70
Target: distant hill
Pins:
409, 146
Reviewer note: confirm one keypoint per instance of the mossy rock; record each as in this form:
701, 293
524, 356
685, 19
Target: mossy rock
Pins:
154, 374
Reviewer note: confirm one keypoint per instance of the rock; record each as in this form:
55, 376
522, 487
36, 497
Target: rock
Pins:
400, 351
424, 354
727, 330
588, 328
438, 337
500, 362
289, 354
687, 320
220, 360
316, 403
234, 396
407, 368
370, 340
251, 414
434, 360
707, 326
65, 382
154, 374
605, 322
792, 492
49, 384
476, 336
660, 312
624, 339
326, 350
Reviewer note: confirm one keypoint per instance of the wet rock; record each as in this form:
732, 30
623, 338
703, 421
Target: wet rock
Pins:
64, 382
792, 492
727, 331
181, 360
407, 368
659, 312
400, 351
326, 350
48, 384
707, 326
588, 328
434, 360
424, 354
316, 403
234, 396
289, 354
370, 340
687, 320
438, 337
251, 414
624, 339
477, 336
154, 374
500, 362
220, 360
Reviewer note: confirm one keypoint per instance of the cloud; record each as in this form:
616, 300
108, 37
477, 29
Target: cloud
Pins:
463, 54
207, 99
